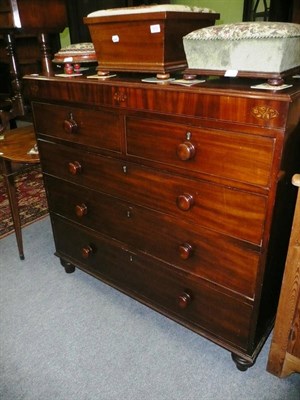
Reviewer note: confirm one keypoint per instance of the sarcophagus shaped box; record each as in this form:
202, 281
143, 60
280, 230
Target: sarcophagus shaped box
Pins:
145, 39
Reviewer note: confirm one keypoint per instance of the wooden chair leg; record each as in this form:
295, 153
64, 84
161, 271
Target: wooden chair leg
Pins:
9, 180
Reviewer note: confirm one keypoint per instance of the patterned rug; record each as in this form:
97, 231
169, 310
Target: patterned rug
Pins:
31, 199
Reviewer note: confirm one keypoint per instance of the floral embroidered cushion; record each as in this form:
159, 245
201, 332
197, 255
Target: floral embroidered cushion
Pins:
78, 52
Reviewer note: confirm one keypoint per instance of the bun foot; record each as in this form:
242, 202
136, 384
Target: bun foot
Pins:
189, 77
275, 81
69, 268
163, 76
102, 73
241, 363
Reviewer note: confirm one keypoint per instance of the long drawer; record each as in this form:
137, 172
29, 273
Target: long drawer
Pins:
100, 129
177, 295
232, 155
217, 207
215, 257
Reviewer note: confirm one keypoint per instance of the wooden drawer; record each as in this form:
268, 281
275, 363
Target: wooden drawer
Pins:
241, 157
211, 101
204, 253
101, 129
223, 209
190, 301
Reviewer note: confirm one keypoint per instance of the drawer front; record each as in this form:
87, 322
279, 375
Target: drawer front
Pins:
241, 157
225, 210
204, 253
187, 300
93, 128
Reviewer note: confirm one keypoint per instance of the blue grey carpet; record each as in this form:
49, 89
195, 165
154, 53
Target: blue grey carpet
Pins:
71, 337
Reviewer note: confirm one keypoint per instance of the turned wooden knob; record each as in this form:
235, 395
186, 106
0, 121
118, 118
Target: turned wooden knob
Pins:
185, 251
86, 251
74, 168
81, 210
186, 151
70, 125
185, 201
184, 300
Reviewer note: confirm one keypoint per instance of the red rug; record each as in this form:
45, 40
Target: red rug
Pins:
31, 199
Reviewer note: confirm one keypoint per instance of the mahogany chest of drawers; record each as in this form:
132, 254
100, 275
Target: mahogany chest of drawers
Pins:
179, 197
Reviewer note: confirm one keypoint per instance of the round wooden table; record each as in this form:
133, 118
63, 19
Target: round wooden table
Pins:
15, 158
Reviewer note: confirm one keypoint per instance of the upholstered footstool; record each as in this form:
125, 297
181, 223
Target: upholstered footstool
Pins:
145, 38
256, 49
74, 55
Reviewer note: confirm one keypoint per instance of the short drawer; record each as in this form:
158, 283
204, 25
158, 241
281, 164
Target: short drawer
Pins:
101, 129
179, 296
232, 212
241, 157
215, 257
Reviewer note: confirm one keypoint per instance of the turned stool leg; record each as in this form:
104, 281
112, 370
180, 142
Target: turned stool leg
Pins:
18, 107
47, 68
13, 203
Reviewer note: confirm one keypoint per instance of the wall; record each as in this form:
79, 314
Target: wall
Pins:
229, 10
65, 38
